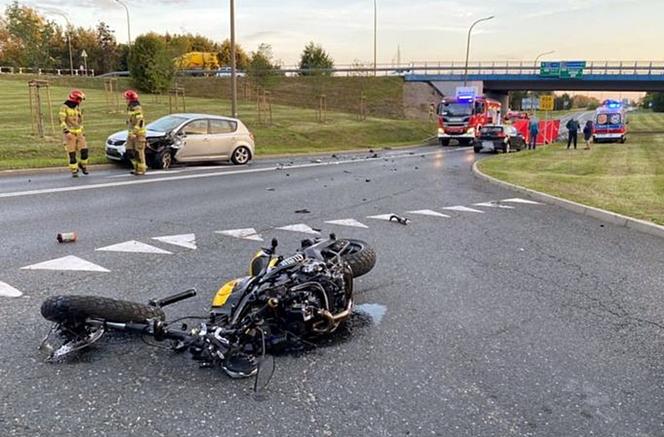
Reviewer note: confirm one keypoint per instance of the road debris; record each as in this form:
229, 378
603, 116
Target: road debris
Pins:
66, 237
367, 180
302, 211
316, 161
401, 220
270, 189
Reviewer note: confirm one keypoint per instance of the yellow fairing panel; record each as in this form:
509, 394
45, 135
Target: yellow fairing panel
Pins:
224, 293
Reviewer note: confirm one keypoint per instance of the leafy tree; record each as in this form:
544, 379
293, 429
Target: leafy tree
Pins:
314, 57
105, 57
150, 65
29, 37
262, 68
657, 101
241, 57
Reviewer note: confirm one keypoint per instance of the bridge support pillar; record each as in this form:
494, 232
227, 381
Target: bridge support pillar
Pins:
502, 96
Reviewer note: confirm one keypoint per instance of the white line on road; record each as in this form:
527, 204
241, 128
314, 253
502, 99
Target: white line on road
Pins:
429, 212
7, 290
67, 263
184, 240
493, 204
519, 200
463, 209
348, 222
133, 246
300, 227
211, 175
149, 173
244, 234
381, 217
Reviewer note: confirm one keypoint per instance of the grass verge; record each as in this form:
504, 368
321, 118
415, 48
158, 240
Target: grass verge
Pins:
293, 129
623, 178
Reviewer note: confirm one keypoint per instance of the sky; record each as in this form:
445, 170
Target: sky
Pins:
421, 30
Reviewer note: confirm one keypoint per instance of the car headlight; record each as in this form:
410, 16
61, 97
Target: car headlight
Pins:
471, 131
441, 130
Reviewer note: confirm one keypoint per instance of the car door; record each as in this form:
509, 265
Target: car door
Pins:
222, 136
195, 140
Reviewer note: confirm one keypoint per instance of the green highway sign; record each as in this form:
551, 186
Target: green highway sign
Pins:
572, 70
550, 69
562, 70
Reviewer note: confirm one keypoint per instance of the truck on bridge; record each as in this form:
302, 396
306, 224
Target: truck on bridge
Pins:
460, 118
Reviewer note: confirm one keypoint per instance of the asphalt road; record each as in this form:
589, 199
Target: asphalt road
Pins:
524, 321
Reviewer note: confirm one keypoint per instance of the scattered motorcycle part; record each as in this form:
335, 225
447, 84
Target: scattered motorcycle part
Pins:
302, 211
401, 220
66, 237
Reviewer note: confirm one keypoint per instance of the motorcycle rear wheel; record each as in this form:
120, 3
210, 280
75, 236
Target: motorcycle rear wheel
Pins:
359, 256
75, 309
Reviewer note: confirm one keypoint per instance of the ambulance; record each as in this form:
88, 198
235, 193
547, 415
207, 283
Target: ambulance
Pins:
610, 122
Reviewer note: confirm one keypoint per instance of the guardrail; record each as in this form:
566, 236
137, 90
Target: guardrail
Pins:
45, 71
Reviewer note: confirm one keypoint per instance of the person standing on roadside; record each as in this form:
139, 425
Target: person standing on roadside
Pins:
71, 122
136, 133
588, 133
533, 130
572, 132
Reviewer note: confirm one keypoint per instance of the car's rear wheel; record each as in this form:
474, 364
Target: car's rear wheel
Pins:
241, 155
507, 148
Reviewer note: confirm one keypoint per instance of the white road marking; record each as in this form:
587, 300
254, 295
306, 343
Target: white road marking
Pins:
148, 173
7, 290
381, 217
133, 246
245, 234
524, 201
184, 240
209, 175
300, 227
348, 222
493, 205
429, 212
463, 209
67, 263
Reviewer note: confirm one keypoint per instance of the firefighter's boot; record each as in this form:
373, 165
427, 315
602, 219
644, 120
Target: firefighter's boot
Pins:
73, 164
83, 163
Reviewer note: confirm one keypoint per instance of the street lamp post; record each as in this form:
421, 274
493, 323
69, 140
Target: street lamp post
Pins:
375, 38
537, 58
233, 63
71, 58
123, 4
465, 73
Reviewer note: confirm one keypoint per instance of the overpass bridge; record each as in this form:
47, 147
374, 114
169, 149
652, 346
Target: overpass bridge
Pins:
496, 80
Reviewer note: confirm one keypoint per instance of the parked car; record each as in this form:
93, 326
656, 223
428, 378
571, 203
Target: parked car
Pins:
189, 138
226, 72
493, 138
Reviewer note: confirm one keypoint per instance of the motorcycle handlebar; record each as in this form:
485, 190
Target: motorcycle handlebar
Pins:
170, 300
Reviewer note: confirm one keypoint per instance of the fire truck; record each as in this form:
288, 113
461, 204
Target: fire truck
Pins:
610, 122
460, 118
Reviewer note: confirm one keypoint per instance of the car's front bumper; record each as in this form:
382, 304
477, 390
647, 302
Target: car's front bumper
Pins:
115, 153
490, 145
608, 136
467, 134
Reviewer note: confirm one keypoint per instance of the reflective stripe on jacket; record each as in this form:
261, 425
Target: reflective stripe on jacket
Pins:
71, 119
135, 121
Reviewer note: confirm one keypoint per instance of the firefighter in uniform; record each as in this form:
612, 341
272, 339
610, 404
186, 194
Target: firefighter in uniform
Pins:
136, 133
71, 122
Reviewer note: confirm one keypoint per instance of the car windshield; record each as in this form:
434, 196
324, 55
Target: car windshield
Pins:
166, 124
457, 109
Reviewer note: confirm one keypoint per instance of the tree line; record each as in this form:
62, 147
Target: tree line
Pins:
31, 40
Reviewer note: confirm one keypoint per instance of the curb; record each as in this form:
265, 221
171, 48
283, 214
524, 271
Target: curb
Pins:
590, 211
49, 170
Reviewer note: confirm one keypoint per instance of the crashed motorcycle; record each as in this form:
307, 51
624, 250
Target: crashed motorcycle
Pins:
284, 301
